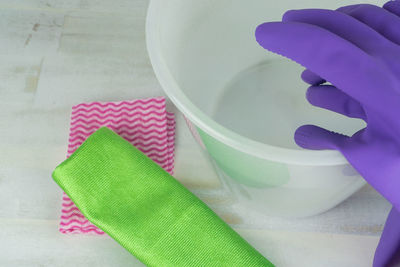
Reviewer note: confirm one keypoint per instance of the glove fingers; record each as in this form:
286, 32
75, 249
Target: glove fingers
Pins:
342, 25
311, 78
337, 60
317, 138
331, 98
393, 7
379, 19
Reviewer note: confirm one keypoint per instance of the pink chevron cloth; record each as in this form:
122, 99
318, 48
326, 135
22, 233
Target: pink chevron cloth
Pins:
144, 123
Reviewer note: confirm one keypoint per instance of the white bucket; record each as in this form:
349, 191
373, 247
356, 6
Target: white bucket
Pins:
246, 103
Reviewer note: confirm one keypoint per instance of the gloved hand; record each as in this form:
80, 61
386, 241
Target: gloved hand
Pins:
356, 49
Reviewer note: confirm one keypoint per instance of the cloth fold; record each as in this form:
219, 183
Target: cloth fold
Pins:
135, 201
145, 123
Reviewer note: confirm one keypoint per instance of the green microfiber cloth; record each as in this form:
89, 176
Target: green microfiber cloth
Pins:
141, 206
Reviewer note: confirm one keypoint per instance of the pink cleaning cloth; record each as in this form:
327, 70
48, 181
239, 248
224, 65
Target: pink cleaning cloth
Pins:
144, 123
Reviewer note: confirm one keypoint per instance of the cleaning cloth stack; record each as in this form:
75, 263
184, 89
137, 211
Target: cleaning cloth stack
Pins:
144, 123
127, 191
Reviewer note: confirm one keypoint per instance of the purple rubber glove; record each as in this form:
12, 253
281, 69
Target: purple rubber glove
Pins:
357, 50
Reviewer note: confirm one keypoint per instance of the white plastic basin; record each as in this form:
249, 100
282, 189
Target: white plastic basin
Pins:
245, 103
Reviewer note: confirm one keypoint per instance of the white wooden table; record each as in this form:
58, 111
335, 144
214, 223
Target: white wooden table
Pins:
57, 53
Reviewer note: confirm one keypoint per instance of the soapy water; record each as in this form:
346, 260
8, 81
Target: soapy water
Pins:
267, 103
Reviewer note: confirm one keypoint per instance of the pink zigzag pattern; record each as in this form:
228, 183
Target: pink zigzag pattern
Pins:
143, 135
86, 112
144, 123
